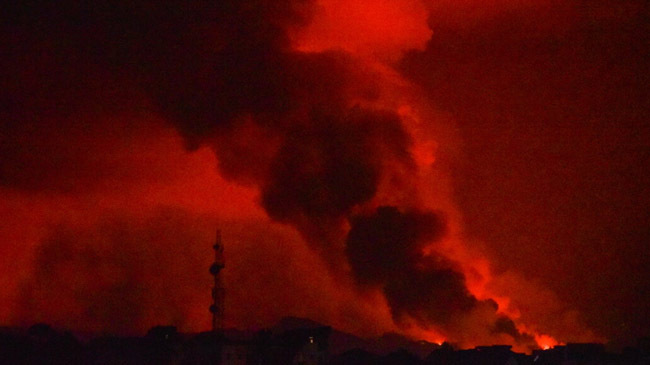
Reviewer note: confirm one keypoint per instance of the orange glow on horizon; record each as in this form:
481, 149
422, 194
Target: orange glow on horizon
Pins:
377, 34
546, 342
428, 335
126, 177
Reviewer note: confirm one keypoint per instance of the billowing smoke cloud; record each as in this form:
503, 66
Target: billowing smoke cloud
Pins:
326, 169
305, 129
325, 152
124, 273
387, 250
551, 100
300, 126
120, 276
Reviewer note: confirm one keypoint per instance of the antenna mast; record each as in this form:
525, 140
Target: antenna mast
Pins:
218, 291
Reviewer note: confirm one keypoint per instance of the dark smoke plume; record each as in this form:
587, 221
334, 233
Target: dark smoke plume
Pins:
386, 250
224, 74
296, 125
288, 122
552, 101
335, 163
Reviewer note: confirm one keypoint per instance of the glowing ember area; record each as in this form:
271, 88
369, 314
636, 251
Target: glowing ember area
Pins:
545, 342
453, 171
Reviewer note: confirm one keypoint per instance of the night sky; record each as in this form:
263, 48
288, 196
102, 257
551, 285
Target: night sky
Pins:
470, 171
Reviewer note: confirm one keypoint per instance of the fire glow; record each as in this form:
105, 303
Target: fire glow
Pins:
291, 124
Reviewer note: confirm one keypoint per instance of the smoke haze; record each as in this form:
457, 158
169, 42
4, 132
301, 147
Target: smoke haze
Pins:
383, 182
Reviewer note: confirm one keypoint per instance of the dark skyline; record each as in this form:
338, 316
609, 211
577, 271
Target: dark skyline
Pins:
465, 171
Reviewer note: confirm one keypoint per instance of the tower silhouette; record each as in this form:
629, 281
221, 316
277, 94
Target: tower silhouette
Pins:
218, 291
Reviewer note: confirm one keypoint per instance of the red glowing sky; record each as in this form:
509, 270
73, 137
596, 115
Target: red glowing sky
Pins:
526, 127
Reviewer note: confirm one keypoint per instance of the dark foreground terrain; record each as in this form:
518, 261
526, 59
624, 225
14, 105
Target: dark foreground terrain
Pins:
293, 341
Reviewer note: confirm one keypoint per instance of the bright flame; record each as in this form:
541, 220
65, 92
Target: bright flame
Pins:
545, 341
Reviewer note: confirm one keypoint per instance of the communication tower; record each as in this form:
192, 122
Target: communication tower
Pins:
218, 291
